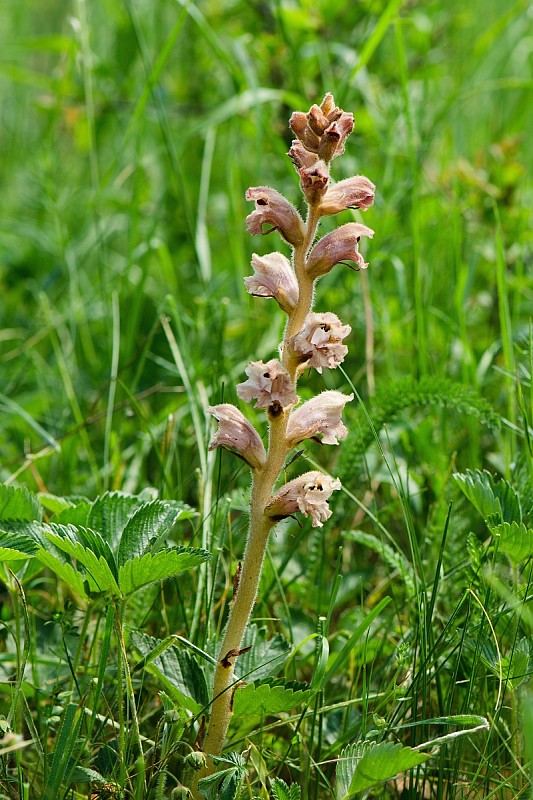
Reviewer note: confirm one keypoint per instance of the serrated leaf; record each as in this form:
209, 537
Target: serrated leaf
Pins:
490, 497
86, 775
77, 514
224, 784
109, 515
381, 763
516, 540
268, 697
349, 758
149, 525
266, 656
515, 666
99, 574
16, 547
283, 792
54, 503
178, 671
18, 503
139, 572
394, 558
64, 570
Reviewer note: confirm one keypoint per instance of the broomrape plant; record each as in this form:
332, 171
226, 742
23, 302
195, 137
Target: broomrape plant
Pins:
311, 340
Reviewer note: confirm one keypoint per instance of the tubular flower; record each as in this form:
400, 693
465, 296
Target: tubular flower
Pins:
324, 129
356, 192
274, 277
236, 433
319, 416
269, 384
309, 494
272, 209
319, 343
337, 247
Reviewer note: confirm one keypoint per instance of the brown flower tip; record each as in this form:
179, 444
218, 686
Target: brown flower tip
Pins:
309, 494
337, 247
319, 343
323, 129
272, 209
269, 384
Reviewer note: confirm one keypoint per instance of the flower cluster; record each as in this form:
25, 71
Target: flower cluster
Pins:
312, 340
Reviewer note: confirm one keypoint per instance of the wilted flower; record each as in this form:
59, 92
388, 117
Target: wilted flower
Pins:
272, 209
319, 416
309, 494
274, 277
337, 247
323, 129
319, 343
236, 433
356, 192
269, 384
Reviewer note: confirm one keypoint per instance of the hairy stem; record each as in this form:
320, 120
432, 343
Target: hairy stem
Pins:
260, 526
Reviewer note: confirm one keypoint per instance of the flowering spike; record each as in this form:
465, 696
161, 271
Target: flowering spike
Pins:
274, 277
323, 129
236, 433
320, 416
269, 384
309, 494
319, 343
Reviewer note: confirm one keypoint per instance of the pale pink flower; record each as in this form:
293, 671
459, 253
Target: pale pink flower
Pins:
309, 494
320, 416
269, 384
235, 433
272, 209
337, 247
274, 277
323, 129
356, 192
319, 343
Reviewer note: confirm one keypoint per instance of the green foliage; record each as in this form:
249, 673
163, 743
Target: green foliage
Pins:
17, 503
410, 395
281, 791
225, 783
366, 766
491, 498
67, 741
268, 697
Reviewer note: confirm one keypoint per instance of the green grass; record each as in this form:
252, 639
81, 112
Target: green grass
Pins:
130, 133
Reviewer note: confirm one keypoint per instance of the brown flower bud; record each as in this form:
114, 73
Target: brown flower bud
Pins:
324, 129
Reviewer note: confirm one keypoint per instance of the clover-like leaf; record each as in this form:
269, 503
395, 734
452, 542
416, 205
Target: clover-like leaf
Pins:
140, 571
268, 697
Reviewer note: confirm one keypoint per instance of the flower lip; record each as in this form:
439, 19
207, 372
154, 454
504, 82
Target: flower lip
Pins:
309, 494
236, 434
319, 343
269, 385
272, 209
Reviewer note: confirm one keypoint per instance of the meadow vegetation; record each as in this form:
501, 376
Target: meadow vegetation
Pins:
391, 648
